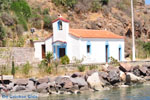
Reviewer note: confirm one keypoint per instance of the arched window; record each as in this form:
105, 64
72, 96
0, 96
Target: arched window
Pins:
60, 25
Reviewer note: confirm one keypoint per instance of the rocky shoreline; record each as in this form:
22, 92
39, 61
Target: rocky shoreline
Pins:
93, 80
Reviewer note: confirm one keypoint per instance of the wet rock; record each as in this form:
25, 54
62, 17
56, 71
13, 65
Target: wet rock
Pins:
125, 67
94, 81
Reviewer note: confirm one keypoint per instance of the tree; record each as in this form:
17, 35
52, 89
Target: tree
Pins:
13, 68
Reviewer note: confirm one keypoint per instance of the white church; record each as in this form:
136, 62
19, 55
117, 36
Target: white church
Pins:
95, 46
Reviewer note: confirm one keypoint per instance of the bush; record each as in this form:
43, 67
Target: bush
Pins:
65, 60
104, 2
13, 68
96, 6
20, 42
114, 61
46, 11
22, 10
92, 67
65, 3
26, 68
48, 22
2, 32
81, 68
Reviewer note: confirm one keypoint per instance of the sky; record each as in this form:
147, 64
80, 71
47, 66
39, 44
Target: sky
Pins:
147, 2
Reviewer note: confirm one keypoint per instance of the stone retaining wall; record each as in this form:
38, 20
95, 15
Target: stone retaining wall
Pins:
19, 54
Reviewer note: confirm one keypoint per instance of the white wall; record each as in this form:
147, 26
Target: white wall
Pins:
73, 47
97, 54
77, 47
60, 34
38, 50
48, 45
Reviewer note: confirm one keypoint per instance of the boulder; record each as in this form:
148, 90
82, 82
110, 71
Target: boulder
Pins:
18, 88
134, 78
43, 80
31, 86
135, 70
89, 73
42, 87
79, 81
64, 82
10, 86
143, 70
122, 76
76, 74
125, 67
21, 81
113, 75
94, 81
103, 76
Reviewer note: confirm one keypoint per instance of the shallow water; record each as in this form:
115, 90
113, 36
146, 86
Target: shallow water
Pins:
138, 92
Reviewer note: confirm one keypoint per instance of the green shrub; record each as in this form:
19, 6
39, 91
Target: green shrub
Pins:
114, 62
20, 42
96, 6
49, 57
65, 60
26, 68
47, 22
13, 68
65, 3
22, 10
2, 32
81, 68
104, 2
92, 67
46, 11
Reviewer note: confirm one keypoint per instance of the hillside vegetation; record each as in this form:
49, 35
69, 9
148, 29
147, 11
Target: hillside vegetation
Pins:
17, 17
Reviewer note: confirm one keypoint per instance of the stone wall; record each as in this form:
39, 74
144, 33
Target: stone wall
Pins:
19, 54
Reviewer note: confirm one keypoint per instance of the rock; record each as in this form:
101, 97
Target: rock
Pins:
79, 80
42, 87
125, 67
76, 74
10, 86
122, 76
104, 78
103, 74
113, 75
143, 70
31, 86
21, 81
18, 88
94, 81
147, 78
135, 78
43, 80
135, 70
65, 82
89, 73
